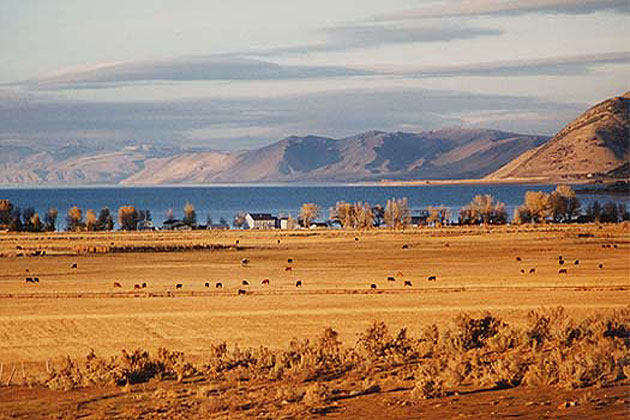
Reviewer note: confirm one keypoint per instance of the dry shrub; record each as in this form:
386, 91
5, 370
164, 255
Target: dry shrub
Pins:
69, 376
317, 394
429, 382
508, 372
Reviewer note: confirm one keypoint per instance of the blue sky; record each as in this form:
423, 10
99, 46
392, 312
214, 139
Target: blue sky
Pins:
239, 74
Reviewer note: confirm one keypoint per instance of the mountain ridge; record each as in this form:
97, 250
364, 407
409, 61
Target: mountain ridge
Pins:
369, 156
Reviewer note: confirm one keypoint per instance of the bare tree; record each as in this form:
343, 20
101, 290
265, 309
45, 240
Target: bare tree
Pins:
105, 222
308, 213
50, 219
397, 214
190, 215
344, 213
363, 215
90, 221
537, 205
239, 220
128, 218
438, 216
74, 219
483, 209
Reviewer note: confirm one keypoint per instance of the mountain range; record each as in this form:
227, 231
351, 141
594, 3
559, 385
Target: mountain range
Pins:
596, 142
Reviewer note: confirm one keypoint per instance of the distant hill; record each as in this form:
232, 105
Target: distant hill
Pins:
371, 156
597, 142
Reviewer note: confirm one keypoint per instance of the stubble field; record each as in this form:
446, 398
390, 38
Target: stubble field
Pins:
72, 310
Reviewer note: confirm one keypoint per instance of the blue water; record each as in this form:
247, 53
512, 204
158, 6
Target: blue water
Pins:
226, 201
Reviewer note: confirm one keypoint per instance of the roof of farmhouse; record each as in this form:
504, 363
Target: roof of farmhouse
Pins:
261, 216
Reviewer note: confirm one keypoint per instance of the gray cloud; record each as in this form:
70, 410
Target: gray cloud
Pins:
509, 8
256, 121
191, 68
342, 38
555, 66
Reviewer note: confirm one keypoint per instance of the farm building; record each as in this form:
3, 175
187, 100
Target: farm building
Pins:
261, 221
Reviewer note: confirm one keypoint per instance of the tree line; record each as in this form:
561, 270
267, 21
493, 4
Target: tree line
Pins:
558, 206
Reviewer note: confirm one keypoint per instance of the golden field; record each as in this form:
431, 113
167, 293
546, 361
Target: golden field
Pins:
72, 310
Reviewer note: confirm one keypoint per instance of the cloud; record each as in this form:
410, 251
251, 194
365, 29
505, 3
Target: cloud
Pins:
554, 66
508, 8
349, 37
190, 68
258, 121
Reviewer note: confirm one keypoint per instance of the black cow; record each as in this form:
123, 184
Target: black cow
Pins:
372, 286
265, 282
207, 284
30, 280
137, 287
74, 266
179, 286
432, 278
563, 271
391, 278
144, 285
298, 283
219, 285
600, 266
242, 292
518, 259
290, 260
405, 246
532, 270
576, 262
407, 283
245, 283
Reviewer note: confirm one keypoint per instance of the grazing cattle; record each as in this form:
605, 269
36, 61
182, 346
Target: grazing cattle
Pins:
179, 286
561, 262
30, 280
278, 240
265, 282
144, 285
288, 269
117, 285
36, 279
219, 285
391, 278
372, 286
137, 287
245, 283
532, 270
615, 246
298, 283
522, 271
562, 271
74, 265
207, 284
244, 261
405, 246
356, 239
407, 283
600, 266
400, 274
518, 259
27, 270
290, 260
432, 278
242, 292
576, 262
447, 245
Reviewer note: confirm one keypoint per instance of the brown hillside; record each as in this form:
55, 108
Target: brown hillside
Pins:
597, 142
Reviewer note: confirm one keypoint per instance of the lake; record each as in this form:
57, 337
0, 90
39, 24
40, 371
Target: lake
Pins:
226, 201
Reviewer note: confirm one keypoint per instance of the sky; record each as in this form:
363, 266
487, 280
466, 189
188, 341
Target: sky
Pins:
244, 73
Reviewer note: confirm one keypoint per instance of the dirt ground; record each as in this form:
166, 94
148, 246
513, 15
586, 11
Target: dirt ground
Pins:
72, 310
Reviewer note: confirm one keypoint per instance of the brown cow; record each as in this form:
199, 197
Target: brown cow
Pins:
400, 274
518, 259
117, 285
265, 282
532, 270
522, 271
288, 268
137, 287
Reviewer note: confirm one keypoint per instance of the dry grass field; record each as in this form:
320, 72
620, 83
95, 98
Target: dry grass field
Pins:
72, 310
